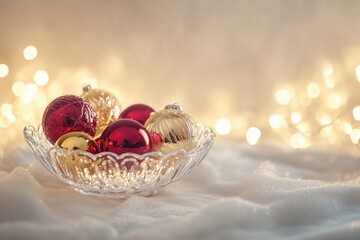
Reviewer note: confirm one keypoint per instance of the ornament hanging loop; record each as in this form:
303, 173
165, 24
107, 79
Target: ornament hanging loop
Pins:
174, 106
86, 87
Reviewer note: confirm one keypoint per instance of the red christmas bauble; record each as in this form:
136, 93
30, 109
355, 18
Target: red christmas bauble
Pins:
137, 112
68, 113
125, 135
156, 140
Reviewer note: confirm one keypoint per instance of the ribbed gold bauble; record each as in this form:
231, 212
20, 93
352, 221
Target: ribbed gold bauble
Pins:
105, 105
175, 127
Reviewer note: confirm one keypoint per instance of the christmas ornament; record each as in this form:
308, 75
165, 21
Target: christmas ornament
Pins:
125, 135
106, 106
78, 141
68, 113
176, 128
138, 112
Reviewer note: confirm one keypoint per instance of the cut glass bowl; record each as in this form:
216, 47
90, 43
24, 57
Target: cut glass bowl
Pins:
110, 175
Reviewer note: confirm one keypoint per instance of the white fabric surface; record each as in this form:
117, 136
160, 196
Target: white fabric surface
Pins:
238, 192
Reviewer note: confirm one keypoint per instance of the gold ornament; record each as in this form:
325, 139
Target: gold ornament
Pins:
106, 106
176, 128
74, 164
77, 141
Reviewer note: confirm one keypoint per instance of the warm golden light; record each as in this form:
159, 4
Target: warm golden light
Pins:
283, 97
304, 127
347, 128
253, 135
41, 77
296, 117
6, 110
298, 141
30, 53
356, 113
329, 82
334, 100
18, 88
304, 100
277, 121
29, 93
357, 71
323, 118
328, 71
223, 126
355, 135
4, 70
313, 90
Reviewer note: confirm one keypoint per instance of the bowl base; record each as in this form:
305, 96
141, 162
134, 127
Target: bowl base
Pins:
119, 195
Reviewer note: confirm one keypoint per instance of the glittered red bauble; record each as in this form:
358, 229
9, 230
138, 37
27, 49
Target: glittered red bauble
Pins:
137, 112
68, 113
125, 135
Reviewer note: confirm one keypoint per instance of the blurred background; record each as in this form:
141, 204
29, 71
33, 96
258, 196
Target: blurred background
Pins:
279, 72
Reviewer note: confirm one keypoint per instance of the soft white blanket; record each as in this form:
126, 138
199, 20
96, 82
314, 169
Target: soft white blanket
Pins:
237, 192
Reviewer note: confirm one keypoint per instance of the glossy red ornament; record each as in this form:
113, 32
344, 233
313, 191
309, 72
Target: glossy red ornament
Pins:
66, 114
137, 112
125, 135
156, 140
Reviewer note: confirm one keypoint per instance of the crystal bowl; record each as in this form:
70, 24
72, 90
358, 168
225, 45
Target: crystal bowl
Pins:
110, 175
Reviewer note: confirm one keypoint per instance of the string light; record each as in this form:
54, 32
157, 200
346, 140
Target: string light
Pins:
298, 141
323, 118
313, 90
302, 115
29, 93
223, 126
283, 96
18, 88
356, 113
30, 53
253, 135
277, 121
355, 135
41, 77
328, 70
357, 72
347, 128
296, 117
6, 111
334, 100
329, 82
4, 70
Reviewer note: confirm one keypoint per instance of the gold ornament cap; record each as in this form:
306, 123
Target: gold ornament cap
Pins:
176, 128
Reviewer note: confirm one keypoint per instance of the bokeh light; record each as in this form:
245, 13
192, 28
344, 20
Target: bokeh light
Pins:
356, 113
313, 90
283, 96
223, 126
41, 77
30, 52
357, 72
4, 70
29, 93
296, 117
277, 121
355, 135
253, 135
334, 100
298, 141
18, 88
